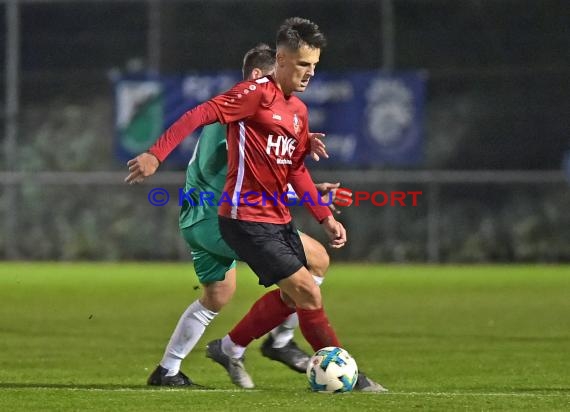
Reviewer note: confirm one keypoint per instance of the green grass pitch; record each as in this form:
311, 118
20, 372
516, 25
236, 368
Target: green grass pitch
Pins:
83, 336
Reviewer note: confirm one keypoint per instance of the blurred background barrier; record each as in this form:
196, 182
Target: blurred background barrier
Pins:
473, 216
494, 122
369, 118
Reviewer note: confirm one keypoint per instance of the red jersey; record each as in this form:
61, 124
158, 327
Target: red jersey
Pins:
267, 143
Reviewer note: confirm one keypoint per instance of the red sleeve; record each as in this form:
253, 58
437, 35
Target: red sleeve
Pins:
201, 115
303, 184
240, 102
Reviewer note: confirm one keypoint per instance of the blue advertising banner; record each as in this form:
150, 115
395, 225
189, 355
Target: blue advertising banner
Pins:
369, 118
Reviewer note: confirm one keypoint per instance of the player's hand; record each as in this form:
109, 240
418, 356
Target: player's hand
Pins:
335, 231
328, 194
318, 148
144, 165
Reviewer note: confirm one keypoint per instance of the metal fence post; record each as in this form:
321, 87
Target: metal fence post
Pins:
154, 36
12, 108
388, 35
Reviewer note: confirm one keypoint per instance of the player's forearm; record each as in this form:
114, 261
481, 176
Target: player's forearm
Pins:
201, 115
303, 184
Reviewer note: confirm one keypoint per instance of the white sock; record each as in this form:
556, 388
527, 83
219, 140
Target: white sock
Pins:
232, 349
283, 333
189, 330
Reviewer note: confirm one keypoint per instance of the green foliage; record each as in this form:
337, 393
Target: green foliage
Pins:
67, 135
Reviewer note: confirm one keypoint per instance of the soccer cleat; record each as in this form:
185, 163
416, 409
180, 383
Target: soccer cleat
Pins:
234, 366
290, 354
365, 384
159, 378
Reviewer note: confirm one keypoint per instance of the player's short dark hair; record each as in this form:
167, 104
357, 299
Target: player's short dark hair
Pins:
261, 56
296, 31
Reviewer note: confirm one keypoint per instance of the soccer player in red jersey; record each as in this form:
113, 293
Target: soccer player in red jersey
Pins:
214, 261
267, 143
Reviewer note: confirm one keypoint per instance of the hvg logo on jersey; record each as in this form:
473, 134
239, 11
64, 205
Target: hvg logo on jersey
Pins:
281, 146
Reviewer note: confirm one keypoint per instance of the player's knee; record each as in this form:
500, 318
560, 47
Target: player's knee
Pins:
287, 299
319, 262
308, 296
215, 298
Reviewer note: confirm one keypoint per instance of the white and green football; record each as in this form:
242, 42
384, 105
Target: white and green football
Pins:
332, 370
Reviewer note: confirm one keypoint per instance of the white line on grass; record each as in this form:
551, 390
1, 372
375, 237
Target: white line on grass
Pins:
481, 394
162, 389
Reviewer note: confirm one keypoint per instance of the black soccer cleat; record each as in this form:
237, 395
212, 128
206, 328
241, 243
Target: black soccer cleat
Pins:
158, 378
290, 354
365, 384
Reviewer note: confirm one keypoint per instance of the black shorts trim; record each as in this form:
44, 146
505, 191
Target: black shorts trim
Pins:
273, 251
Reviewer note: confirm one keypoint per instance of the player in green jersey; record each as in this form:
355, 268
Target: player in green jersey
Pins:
214, 260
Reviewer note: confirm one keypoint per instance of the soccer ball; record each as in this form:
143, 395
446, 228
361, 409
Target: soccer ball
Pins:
332, 370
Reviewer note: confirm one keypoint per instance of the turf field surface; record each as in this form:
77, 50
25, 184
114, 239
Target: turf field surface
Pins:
84, 336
